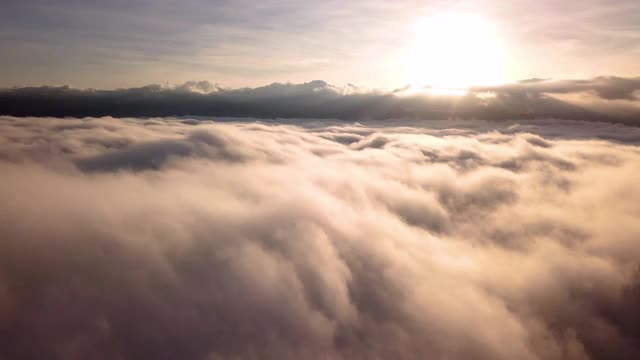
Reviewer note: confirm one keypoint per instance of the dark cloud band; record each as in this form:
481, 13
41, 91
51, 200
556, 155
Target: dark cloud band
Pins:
600, 99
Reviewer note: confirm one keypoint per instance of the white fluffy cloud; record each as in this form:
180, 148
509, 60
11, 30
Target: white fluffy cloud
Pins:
158, 239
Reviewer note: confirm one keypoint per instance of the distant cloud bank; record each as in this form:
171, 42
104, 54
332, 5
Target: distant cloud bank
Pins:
180, 239
610, 99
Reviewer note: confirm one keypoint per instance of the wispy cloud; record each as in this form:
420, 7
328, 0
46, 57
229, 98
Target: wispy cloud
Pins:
244, 44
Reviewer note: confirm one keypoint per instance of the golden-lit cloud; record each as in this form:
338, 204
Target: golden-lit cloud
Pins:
186, 238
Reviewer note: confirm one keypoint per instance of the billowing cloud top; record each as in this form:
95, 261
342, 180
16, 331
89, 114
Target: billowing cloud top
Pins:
181, 239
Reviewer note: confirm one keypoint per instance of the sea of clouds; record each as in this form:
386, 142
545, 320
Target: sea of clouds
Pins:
193, 239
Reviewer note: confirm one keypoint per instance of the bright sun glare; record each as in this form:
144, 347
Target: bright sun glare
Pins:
451, 52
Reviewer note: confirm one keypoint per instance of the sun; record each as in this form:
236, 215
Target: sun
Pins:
451, 52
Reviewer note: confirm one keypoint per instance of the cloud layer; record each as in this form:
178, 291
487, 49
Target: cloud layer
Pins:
601, 99
161, 239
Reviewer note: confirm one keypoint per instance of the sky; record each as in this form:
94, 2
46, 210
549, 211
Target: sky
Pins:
373, 44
